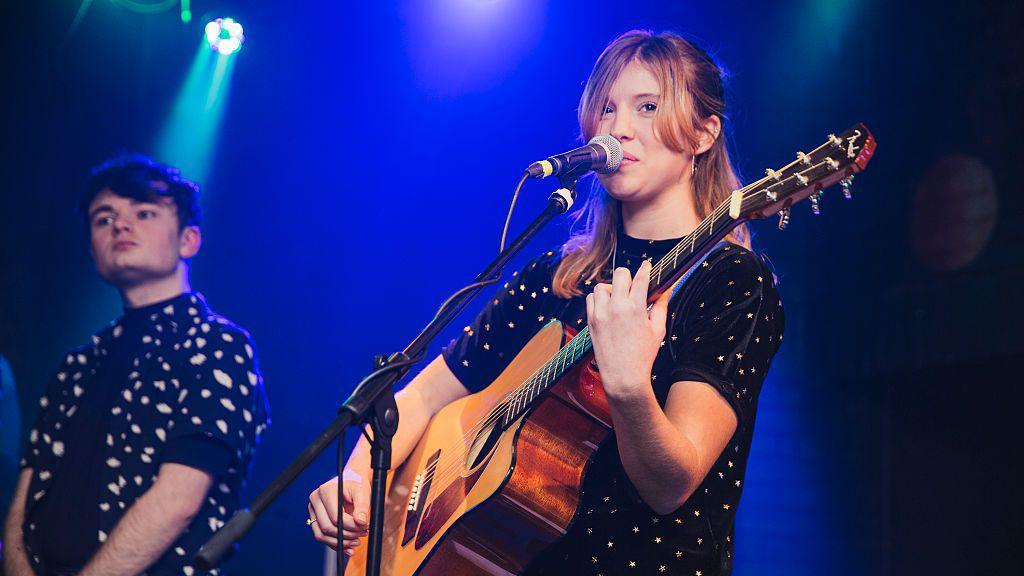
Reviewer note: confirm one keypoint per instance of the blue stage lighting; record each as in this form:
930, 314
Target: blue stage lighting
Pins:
225, 35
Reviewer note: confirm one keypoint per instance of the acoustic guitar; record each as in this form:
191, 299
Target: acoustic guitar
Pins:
496, 476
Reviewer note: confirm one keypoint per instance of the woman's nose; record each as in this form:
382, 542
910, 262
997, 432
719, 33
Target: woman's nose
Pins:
622, 127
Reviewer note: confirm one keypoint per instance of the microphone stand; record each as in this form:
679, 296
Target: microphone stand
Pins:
373, 403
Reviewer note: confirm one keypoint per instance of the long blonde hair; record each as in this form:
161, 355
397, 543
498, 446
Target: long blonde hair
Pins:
691, 92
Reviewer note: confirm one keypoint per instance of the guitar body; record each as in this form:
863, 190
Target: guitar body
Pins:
470, 501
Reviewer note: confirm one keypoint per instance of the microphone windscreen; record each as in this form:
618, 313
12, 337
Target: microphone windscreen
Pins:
613, 152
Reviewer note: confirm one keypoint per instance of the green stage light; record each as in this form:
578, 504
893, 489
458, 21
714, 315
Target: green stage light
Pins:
225, 35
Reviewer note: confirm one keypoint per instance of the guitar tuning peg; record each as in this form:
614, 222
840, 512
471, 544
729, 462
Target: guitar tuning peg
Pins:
783, 218
847, 184
816, 203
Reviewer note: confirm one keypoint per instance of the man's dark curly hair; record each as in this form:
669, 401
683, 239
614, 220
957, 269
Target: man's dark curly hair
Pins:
132, 176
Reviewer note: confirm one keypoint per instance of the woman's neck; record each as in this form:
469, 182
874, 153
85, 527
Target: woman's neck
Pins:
671, 214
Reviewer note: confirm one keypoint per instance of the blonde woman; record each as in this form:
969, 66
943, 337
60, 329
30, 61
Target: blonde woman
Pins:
682, 379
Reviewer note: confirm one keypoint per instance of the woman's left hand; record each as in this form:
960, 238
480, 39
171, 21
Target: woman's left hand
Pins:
626, 336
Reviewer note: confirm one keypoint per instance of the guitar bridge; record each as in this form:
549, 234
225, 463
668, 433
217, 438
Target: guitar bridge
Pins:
417, 495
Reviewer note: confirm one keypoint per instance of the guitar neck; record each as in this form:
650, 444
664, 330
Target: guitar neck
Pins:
835, 160
689, 250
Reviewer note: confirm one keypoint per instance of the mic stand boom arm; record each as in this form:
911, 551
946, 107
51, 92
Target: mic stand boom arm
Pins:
373, 402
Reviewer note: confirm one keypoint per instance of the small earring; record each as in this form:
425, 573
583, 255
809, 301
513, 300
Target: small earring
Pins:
693, 167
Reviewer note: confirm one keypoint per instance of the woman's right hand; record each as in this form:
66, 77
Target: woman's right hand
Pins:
439, 387
355, 519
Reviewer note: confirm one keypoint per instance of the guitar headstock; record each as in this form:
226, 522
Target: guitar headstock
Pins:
836, 160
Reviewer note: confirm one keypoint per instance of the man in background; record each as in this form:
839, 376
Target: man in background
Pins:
146, 433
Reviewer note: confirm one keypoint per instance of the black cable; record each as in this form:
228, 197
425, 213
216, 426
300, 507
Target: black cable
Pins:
511, 208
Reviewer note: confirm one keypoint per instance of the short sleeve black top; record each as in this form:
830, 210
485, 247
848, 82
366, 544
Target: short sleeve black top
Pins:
724, 327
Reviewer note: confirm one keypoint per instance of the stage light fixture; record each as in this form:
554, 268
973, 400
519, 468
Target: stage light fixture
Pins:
225, 35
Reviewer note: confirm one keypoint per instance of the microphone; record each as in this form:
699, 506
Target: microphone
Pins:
603, 154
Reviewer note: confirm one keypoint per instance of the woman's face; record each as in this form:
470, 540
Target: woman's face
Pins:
648, 166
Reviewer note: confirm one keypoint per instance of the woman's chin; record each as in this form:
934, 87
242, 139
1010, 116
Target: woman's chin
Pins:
624, 193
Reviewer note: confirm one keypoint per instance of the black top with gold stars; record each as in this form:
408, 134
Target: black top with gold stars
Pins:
724, 327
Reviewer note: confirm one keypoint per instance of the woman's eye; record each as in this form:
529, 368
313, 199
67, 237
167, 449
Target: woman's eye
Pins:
649, 107
607, 110
146, 214
104, 221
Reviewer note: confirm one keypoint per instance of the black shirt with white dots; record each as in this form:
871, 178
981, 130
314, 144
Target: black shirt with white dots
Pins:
724, 327
170, 382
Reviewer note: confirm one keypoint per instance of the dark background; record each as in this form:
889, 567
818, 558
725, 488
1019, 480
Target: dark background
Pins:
362, 169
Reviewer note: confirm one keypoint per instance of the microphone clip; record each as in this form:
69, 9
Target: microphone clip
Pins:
565, 196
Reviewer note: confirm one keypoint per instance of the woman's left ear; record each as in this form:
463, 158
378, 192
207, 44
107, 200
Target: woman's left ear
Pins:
191, 240
712, 127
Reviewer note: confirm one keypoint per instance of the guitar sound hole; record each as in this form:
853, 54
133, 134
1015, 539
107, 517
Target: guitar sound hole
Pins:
482, 445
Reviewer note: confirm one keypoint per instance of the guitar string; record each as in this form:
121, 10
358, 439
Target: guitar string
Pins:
537, 380
540, 378
532, 386
678, 248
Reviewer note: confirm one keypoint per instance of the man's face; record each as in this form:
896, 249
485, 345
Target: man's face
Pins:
134, 242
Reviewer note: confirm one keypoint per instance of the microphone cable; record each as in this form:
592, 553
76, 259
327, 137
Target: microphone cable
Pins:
511, 209
508, 219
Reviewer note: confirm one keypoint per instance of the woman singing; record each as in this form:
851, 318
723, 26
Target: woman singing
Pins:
681, 379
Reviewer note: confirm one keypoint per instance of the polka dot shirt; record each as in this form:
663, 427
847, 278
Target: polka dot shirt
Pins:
191, 375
